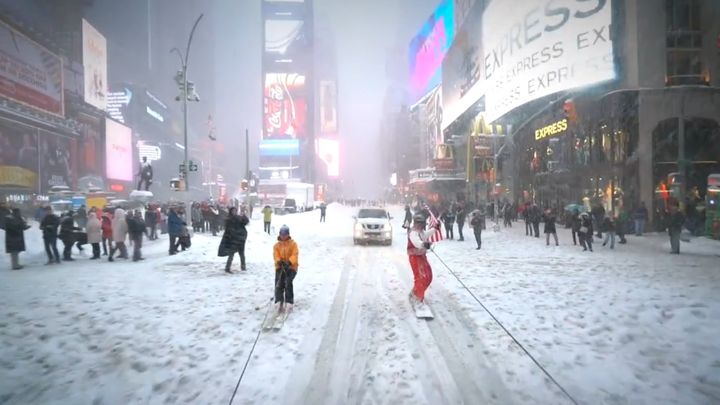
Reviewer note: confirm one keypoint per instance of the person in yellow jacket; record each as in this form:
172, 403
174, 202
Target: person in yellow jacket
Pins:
286, 255
267, 217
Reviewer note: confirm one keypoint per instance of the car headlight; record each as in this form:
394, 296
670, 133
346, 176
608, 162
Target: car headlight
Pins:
358, 227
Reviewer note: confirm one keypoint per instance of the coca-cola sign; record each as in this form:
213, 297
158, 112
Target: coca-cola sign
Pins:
285, 106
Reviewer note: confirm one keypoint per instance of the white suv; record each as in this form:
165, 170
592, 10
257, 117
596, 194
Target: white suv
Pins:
372, 225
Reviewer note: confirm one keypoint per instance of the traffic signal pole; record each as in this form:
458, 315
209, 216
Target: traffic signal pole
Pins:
247, 166
184, 61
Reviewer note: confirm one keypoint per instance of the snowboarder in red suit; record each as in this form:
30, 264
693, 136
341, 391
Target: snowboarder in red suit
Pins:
417, 246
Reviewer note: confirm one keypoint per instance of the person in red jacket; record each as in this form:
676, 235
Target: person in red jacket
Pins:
417, 247
106, 225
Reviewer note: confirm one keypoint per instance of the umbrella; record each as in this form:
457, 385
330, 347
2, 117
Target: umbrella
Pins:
573, 207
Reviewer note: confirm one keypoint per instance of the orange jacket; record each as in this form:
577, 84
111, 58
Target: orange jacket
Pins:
286, 250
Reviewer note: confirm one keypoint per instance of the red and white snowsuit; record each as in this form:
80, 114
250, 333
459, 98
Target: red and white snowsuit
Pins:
416, 250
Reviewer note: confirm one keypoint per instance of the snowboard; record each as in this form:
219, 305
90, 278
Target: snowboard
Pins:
421, 311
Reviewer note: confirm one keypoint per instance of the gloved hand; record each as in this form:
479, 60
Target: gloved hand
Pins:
427, 245
437, 226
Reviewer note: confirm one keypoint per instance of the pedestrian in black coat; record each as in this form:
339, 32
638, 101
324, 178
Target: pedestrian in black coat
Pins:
477, 222
15, 227
49, 226
136, 229
586, 231
68, 235
407, 221
448, 219
575, 226
535, 217
233, 240
151, 217
460, 219
550, 228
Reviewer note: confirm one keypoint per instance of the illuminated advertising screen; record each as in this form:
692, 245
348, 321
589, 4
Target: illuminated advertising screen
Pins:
118, 151
281, 35
328, 150
328, 107
428, 49
535, 48
285, 106
280, 147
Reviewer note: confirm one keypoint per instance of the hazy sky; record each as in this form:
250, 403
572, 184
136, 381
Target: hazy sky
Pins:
364, 30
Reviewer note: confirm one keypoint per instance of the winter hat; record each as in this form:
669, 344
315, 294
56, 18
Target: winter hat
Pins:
284, 230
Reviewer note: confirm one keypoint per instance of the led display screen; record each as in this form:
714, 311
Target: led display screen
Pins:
428, 48
280, 35
280, 147
118, 151
285, 106
328, 151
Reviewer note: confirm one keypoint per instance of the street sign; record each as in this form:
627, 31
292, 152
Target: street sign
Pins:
193, 167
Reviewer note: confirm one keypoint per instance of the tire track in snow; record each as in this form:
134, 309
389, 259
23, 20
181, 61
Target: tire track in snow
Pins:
456, 337
319, 388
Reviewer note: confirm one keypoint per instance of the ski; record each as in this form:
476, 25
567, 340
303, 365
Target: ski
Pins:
280, 320
270, 321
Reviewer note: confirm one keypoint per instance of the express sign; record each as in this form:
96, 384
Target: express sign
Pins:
551, 130
534, 48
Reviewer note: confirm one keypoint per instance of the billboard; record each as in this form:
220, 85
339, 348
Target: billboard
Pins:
117, 104
281, 35
18, 156
328, 150
90, 167
280, 147
428, 49
463, 68
94, 66
29, 73
57, 157
118, 151
535, 48
285, 106
328, 107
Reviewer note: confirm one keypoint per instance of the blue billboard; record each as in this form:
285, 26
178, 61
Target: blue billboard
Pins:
428, 49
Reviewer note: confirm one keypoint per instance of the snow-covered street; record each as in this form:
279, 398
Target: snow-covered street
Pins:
631, 325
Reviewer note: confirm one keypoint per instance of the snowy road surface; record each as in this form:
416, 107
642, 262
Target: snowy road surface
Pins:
634, 325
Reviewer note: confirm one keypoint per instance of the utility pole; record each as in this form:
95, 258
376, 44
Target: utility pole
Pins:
247, 166
183, 82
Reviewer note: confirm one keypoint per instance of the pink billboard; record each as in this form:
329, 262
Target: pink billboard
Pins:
118, 151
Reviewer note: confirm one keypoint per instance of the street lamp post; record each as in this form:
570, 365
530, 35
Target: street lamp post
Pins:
184, 85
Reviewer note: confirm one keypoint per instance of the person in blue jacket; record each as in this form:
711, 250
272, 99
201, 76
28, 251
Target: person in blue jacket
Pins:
175, 227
